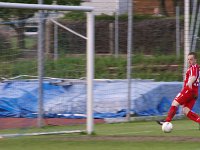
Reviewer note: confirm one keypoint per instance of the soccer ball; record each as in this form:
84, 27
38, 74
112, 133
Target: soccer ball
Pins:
167, 127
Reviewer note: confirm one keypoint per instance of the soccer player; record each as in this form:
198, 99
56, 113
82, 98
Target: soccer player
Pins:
188, 95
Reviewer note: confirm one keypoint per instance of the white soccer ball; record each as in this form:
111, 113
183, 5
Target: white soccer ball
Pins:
167, 127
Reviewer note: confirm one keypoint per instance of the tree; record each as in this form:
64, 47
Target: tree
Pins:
179, 3
163, 8
16, 18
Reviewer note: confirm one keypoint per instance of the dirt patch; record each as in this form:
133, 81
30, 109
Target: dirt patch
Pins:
11, 123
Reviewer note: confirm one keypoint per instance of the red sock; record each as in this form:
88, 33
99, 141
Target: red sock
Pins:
171, 113
193, 116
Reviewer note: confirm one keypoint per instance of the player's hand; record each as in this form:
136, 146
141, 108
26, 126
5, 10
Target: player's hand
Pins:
189, 84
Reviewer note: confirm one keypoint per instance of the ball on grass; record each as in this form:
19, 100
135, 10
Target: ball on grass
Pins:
167, 127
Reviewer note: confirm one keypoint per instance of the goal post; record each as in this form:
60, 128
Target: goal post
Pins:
186, 33
89, 53
90, 71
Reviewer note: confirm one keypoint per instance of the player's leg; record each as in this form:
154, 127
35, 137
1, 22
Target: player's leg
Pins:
185, 98
171, 112
187, 110
180, 99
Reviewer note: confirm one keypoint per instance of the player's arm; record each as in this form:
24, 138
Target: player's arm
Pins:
193, 76
191, 80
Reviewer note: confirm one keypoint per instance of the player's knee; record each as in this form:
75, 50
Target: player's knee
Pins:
185, 110
175, 103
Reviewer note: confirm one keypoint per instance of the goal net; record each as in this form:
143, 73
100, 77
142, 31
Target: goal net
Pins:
39, 76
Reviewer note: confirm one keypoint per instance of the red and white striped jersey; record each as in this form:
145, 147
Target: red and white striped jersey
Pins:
193, 70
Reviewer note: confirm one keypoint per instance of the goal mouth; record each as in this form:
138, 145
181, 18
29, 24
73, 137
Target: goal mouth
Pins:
33, 49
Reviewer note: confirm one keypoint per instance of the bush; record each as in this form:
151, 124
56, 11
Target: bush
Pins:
8, 49
4, 43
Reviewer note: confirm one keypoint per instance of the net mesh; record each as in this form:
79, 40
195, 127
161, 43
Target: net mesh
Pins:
19, 73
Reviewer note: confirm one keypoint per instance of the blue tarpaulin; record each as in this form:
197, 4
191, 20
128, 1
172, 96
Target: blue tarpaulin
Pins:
20, 98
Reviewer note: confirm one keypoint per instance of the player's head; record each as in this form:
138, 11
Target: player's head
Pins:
192, 58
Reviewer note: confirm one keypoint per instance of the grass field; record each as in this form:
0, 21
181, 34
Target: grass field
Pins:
135, 136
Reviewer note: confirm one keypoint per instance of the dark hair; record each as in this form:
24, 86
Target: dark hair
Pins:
194, 54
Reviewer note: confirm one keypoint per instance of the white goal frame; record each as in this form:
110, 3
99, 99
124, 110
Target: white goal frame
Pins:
90, 54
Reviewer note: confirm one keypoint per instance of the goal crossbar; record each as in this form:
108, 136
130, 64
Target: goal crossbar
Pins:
45, 7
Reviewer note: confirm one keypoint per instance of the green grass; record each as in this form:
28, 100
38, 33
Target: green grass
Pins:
117, 136
31, 42
157, 67
82, 16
